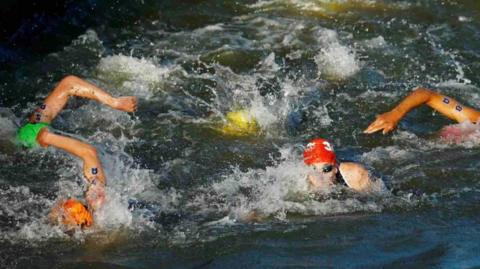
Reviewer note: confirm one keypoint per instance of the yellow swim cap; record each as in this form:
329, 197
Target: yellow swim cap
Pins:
240, 122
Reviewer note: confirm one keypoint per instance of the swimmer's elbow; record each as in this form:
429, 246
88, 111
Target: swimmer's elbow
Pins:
90, 152
70, 79
68, 82
424, 92
43, 138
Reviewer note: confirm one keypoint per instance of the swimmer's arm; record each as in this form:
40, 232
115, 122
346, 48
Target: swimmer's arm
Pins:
452, 109
356, 176
92, 168
74, 86
445, 105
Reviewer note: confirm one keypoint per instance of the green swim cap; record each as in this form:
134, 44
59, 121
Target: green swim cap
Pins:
27, 135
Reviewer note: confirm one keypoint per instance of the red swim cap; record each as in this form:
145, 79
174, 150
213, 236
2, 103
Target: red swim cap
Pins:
319, 150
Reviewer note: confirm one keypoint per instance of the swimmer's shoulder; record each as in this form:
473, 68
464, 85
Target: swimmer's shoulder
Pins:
356, 176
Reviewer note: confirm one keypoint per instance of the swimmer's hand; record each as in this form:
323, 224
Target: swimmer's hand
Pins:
386, 122
95, 196
126, 103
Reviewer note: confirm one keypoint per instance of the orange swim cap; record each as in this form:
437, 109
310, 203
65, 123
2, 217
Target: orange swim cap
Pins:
75, 213
319, 150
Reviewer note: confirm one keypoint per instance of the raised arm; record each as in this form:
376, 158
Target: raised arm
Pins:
74, 86
445, 105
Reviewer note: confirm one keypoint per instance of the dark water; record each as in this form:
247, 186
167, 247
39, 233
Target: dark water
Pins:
180, 189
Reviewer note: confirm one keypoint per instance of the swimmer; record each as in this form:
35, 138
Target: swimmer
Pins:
319, 154
37, 132
447, 106
71, 213
240, 123
329, 172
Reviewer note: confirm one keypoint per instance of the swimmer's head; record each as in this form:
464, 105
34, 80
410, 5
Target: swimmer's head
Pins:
320, 156
240, 123
71, 213
319, 151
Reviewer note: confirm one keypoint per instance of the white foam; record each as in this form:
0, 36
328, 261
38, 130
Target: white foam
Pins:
412, 144
456, 84
269, 65
464, 19
465, 133
209, 28
337, 62
390, 153
132, 67
7, 125
28, 212
276, 191
321, 114
375, 43
270, 110
137, 76
369, 94
264, 116
88, 38
114, 213
125, 181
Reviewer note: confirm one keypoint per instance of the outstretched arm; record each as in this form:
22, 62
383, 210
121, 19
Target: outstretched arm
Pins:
445, 105
92, 168
74, 86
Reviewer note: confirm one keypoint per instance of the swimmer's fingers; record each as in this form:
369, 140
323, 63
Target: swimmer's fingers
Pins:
135, 103
126, 103
380, 124
387, 129
374, 126
386, 122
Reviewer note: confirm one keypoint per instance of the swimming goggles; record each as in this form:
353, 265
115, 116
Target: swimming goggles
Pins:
326, 168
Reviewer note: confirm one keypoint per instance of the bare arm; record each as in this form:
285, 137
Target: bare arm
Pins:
92, 168
356, 176
445, 105
74, 86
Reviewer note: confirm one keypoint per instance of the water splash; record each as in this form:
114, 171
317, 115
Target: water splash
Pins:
335, 61
279, 190
140, 77
8, 128
466, 133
